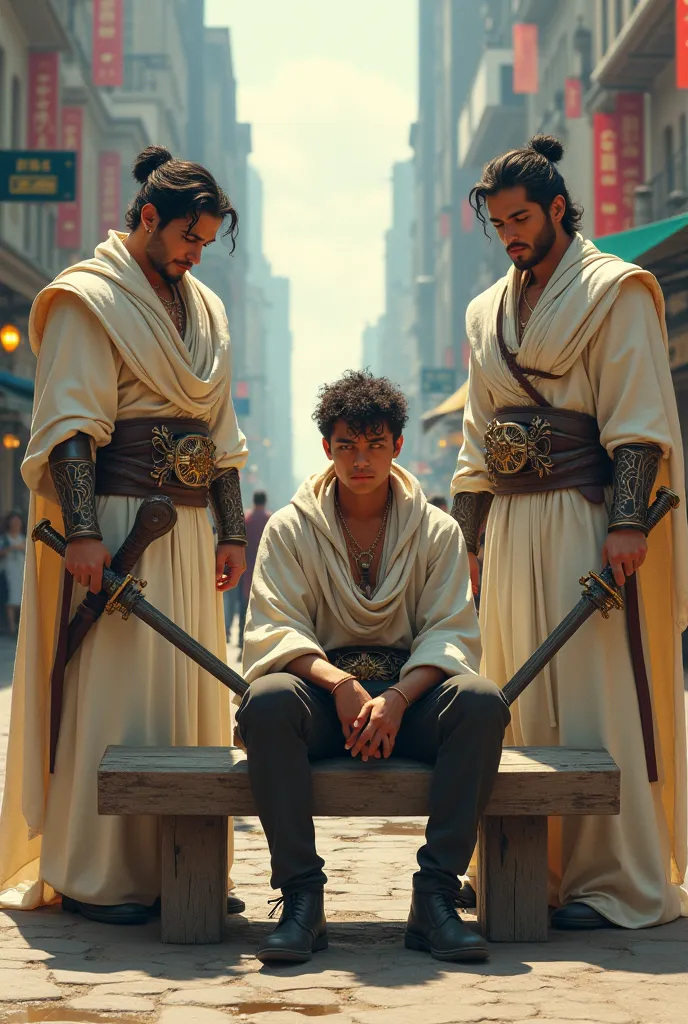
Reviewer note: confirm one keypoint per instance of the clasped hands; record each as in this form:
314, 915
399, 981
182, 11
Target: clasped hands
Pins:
370, 724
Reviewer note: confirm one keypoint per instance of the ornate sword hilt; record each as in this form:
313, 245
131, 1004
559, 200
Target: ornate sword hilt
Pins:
123, 591
601, 588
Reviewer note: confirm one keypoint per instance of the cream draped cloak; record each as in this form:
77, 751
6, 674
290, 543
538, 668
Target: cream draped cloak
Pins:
304, 601
106, 351
600, 326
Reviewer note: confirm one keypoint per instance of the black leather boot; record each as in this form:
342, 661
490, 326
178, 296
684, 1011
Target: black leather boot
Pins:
120, 913
302, 929
578, 917
435, 927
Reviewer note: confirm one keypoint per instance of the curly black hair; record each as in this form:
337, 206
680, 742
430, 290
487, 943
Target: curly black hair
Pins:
366, 403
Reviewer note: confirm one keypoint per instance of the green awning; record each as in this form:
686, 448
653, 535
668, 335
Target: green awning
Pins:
638, 244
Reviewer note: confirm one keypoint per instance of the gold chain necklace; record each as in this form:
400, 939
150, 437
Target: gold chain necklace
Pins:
364, 557
175, 308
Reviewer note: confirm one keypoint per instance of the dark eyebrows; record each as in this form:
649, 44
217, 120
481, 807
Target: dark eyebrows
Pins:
517, 213
197, 238
375, 439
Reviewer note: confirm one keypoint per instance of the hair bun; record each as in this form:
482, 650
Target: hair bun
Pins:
148, 161
547, 146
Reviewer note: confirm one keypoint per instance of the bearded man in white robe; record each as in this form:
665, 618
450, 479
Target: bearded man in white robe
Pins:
362, 637
133, 399
570, 426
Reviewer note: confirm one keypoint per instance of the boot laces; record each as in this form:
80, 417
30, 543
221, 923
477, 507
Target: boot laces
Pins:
289, 904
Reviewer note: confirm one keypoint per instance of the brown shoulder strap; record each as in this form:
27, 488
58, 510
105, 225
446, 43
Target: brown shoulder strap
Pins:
516, 371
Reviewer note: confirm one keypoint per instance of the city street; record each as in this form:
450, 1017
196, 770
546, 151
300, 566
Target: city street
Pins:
54, 967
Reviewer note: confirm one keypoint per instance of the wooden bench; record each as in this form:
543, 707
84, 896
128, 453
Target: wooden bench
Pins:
195, 790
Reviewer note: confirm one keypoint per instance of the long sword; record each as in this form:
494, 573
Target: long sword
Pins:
600, 593
125, 596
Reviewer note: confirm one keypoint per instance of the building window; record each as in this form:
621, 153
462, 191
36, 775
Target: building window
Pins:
669, 159
16, 123
604, 27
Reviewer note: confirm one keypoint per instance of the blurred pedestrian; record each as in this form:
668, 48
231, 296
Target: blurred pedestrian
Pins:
439, 501
13, 555
256, 521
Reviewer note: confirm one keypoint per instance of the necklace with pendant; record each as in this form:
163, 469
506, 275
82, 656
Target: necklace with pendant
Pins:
174, 307
363, 558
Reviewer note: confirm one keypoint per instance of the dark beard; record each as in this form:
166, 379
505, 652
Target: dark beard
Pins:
542, 246
157, 253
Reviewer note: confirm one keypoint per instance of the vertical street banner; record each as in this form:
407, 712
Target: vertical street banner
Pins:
525, 43
69, 215
467, 217
573, 99
107, 65
110, 175
630, 122
608, 212
43, 101
682, 44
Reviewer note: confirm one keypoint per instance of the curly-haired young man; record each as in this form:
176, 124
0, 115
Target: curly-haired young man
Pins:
362, 637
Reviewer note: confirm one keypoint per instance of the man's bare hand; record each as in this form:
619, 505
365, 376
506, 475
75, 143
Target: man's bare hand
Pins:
230, 565
625, 551
85, 559
383, 716
349, 699
474, 566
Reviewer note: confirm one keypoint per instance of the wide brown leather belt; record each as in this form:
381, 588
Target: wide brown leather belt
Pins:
532, 449
174, 457
370, 664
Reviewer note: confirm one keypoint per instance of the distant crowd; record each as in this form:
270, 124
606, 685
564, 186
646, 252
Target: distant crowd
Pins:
12, 556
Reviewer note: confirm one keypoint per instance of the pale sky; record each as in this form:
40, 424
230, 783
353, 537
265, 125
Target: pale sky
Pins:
330, 91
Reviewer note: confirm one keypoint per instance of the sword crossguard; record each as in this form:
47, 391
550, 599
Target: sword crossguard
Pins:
130, 589
603, 593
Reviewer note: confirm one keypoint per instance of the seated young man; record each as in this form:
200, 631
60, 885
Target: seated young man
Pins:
361, 560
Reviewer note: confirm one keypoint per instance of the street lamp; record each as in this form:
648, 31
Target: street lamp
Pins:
9, 337
10, 441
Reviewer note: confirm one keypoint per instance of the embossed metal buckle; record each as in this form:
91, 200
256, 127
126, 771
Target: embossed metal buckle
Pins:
509, 447
191, 458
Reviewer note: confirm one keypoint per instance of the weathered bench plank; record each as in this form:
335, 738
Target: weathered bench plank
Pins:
214, 780
195, 790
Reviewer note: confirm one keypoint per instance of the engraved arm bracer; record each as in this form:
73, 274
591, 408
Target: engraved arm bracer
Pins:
228, 510
470, 512
635, 472
74, 476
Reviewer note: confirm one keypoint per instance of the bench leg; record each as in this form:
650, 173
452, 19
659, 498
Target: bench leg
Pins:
194, 879
512, 878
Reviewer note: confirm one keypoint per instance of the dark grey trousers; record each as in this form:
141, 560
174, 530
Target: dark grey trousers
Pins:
458, 727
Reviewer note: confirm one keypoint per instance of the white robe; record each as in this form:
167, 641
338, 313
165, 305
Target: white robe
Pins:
106, 351
600, 325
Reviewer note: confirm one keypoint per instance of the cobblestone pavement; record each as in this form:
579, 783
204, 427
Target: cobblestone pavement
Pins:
54, 967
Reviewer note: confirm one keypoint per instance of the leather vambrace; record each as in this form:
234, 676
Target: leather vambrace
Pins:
228, 509
470, 511
73, 472
635, 472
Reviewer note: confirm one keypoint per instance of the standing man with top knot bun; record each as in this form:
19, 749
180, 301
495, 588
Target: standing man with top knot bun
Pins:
133, 359
570, 425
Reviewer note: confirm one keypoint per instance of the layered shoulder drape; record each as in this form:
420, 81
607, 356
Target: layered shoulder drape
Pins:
304, 600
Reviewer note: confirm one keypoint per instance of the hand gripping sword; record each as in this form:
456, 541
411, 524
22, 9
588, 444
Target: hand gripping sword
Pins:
125, 596
600, 593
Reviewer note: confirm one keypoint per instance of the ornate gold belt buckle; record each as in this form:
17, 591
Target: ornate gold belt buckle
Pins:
191, 458
509, 447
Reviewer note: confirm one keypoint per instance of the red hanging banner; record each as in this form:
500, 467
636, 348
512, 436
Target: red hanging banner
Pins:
43, 102
525, 43
682, 44
630, 122
110, 174
608, 214
69, 215
467, 217
108, 43
573, 99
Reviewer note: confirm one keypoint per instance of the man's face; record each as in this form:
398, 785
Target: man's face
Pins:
362, 462
178, 247
528, 233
